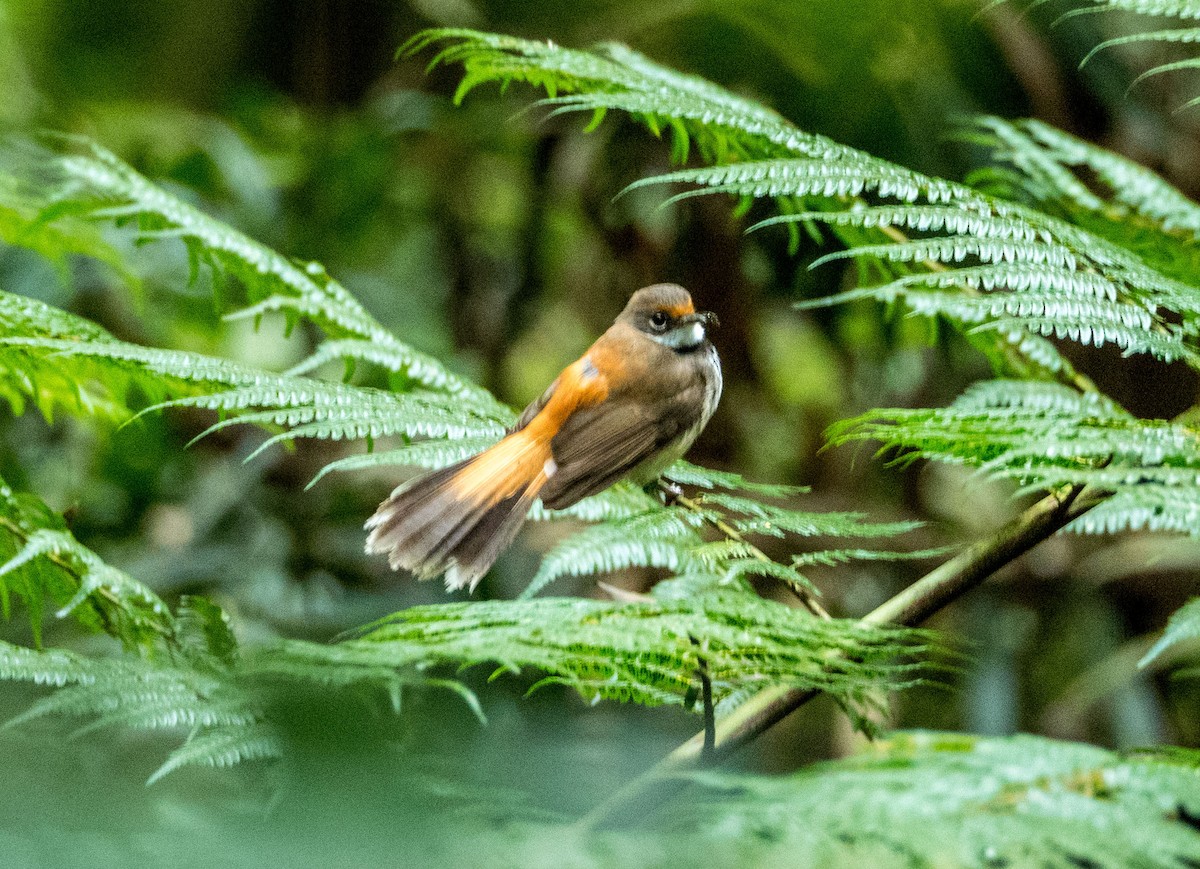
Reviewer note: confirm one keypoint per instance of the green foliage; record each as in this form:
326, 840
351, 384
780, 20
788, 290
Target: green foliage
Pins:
1049, 163
1076, 244
979, 260
196, 676
1183, 627
98, 376
1046, 436
932, 799
57, 358
646, 652
1177, 10
227, 697
94, 184
1103, 192
1013, 270
699, 114
671, 538
193, 691
43, 564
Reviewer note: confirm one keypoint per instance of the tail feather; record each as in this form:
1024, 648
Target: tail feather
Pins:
459, 519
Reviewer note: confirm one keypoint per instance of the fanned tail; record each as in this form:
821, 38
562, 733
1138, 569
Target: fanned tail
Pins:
459, 519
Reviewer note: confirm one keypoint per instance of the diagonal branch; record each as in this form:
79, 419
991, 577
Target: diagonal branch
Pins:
910, 607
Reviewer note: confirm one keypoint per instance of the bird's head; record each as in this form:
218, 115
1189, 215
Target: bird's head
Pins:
665, 313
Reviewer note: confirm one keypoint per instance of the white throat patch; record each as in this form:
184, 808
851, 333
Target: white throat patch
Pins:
683, 337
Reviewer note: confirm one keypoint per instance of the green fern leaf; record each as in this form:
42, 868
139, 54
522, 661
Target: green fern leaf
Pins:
644, 652
93, 183
946, 799
43, 563
1045, 436
718, 122
1183, 626
1066, 282
223, 747
661, 538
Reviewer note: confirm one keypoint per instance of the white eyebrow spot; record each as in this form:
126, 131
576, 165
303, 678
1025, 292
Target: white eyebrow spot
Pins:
550, 468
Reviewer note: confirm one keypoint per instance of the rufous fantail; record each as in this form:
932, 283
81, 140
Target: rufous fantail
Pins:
629, 407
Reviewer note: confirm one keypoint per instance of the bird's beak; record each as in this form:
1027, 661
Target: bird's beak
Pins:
708, 318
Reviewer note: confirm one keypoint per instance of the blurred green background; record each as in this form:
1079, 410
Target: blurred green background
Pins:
493, 237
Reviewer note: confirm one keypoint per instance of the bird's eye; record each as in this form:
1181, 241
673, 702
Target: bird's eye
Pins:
658, 320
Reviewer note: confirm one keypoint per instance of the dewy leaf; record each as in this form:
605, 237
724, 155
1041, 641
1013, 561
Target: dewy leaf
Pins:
54, 370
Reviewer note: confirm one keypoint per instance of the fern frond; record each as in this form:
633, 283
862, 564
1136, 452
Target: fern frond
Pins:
1183, 626
311, 408
198, 682
757, 517
945, 799
687, 474
644, 652
852, 175
43, 563
430, 454
960, 219
394, 357
1130, 206
21, 205
1144, 507
662, 538
95, 375
1058, 273
1045, 436
93, 183
1181, 10
1186, 9
223, 747
24, 377
1027, 272
671, 538
126, 691
613, 77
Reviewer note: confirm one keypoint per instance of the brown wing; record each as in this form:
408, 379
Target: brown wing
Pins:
598, 445
535, 407
615, 407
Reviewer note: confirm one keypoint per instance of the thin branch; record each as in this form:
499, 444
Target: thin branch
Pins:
910, 607
706, 697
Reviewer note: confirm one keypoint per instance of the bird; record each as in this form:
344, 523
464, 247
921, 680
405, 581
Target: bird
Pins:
629, 407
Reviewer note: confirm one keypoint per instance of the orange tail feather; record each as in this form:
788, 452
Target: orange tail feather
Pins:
458, 520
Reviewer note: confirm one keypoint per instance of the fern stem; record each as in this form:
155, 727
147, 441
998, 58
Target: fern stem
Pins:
803, 594
910, 607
